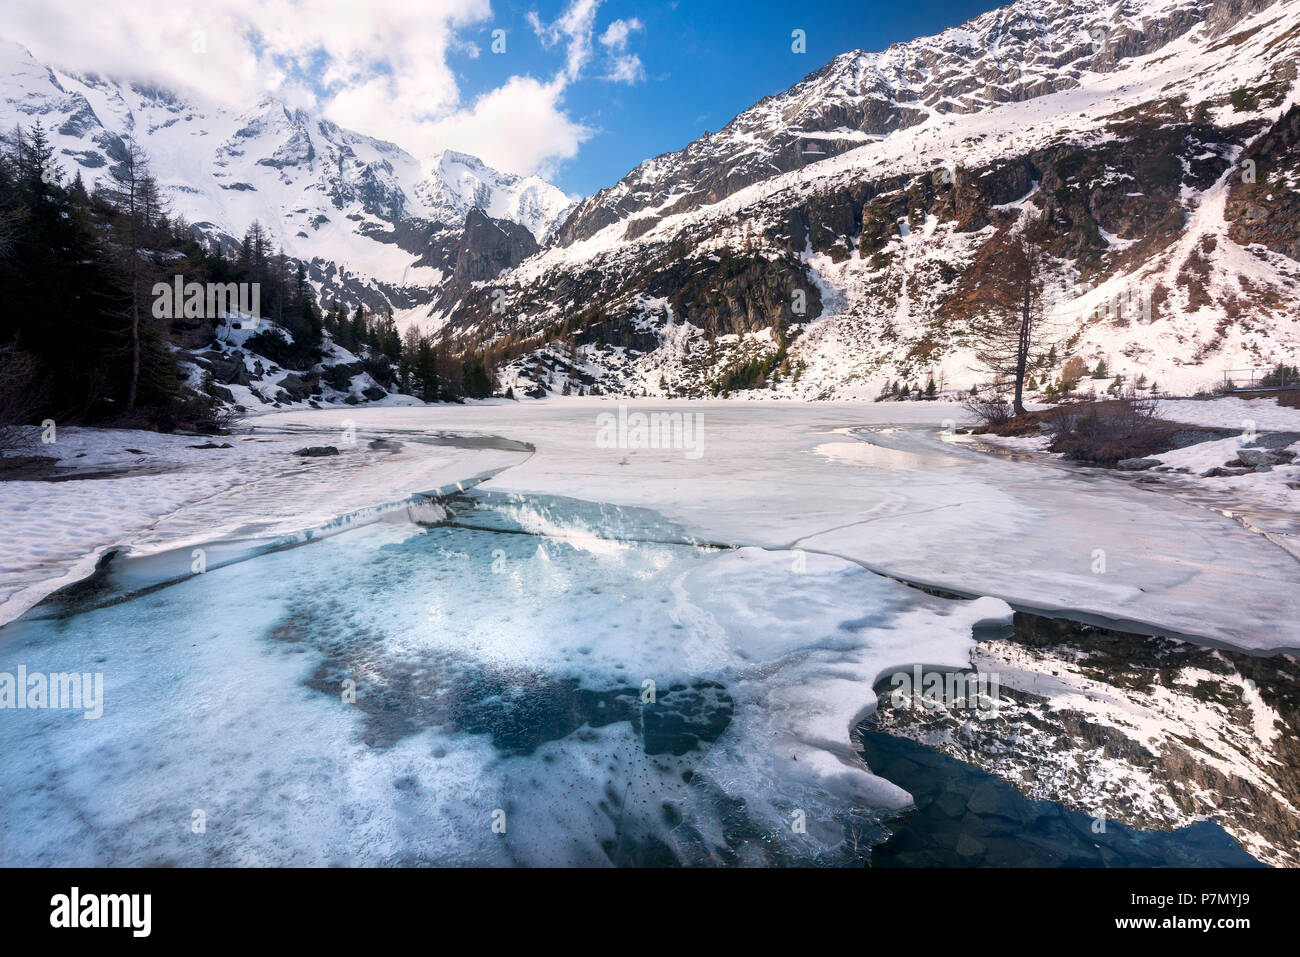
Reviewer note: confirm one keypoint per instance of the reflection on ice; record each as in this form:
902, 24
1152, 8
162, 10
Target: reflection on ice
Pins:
893, 449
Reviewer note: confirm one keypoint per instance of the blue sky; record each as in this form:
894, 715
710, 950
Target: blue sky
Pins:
584, 91
704, 62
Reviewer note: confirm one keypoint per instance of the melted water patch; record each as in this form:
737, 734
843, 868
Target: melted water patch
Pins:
965, 817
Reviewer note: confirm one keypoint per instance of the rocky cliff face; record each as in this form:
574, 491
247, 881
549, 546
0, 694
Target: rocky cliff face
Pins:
1016, 53
485, 248
1264, 202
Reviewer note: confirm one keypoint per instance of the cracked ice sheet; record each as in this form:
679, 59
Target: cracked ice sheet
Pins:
1026, 533
230, 714
172, 495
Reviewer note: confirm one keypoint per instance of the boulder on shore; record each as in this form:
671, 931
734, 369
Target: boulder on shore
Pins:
1253, 457
1136, 465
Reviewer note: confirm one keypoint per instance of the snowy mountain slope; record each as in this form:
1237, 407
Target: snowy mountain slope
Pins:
1170, 257
360, 210
1012, 54
829, 241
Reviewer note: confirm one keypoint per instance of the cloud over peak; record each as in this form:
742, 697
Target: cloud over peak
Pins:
379, 67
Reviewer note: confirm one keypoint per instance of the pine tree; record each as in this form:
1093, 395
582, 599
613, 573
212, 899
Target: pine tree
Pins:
360, 328
65, 295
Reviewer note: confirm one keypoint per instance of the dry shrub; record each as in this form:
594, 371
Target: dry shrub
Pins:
989, 409
1104, 432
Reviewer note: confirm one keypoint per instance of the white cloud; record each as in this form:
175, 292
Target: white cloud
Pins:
519, 127
574, 28
623, 67
380, 67
616, 34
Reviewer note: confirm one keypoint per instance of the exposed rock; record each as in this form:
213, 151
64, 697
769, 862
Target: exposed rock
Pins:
298, 387
1183, 438
317, 451
1266, 210
229, 370
486, 247
1256, 457
1136, 465
1147, 772
339, 376
193, 333
1274, 441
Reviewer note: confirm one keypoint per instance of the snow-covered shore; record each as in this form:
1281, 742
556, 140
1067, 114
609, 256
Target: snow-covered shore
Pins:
1266, 501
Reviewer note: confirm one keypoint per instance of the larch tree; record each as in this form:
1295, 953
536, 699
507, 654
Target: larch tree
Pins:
1013, 333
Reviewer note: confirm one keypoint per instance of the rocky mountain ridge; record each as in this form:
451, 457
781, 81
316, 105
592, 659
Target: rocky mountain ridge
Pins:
1154, 140
832, 240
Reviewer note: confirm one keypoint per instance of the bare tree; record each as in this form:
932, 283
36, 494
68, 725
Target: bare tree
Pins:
135, 193
1013, 333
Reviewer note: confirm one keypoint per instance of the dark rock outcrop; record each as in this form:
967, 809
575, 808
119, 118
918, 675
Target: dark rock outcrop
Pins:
1264, 200
486, 247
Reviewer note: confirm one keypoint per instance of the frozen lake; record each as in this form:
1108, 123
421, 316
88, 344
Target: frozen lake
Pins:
593, 655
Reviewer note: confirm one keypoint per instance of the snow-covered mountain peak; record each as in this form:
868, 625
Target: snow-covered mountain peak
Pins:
371, 220
458, 181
